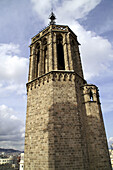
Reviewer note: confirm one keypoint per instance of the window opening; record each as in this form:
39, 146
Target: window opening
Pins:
44, 42
45, 60
38, 59
91, 95
60, 54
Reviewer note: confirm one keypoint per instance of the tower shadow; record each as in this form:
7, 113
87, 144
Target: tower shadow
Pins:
65, 140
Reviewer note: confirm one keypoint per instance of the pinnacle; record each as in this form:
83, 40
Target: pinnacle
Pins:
52, 18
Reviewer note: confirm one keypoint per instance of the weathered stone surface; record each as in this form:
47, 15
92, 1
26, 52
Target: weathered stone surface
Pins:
64, 124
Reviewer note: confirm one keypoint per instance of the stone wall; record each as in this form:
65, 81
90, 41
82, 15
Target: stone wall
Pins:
40, 98
96, 137
53, 128
64, 124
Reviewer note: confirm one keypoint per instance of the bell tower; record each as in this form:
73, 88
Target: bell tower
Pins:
62, 109
55, 48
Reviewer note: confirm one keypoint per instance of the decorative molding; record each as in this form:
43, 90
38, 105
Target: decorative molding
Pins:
59, 27
52, 76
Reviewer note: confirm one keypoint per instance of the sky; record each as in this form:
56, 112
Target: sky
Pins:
90, 20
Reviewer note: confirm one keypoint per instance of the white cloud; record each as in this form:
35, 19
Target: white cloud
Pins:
9, 48
42, 7
72, 9
13, 69
110, 141
97, 58
11, 128
13, 77
64, 9
96, 52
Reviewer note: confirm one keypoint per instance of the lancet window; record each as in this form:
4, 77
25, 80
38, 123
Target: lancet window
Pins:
45, 56
91, 95
45, 59
37, 59
60, 53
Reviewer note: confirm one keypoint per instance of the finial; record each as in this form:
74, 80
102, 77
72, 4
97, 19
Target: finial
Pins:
52, 18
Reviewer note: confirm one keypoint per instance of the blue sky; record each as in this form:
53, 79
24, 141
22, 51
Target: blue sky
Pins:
91, 20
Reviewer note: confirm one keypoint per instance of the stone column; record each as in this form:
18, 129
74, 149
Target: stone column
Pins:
29, 76
50, 50
46, 60
36, 65
47, 54
41, 60
55, 52
66, 57
32, 64
69, 52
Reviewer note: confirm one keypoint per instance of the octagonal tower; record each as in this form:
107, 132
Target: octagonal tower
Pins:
64, 124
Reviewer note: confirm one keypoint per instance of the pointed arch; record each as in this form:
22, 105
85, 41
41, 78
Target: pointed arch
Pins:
91, 95
60, 53
37, 59
45, 56
44, 41
45, 59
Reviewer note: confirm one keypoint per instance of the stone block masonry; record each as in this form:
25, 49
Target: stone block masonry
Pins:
53, 130
64, 124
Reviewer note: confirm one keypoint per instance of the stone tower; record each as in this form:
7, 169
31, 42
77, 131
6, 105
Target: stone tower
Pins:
64, 124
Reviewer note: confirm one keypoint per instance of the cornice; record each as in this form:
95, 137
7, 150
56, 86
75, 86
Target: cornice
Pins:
53, 76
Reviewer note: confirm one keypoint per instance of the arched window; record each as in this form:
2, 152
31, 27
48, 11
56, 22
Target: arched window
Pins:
44, 41
91, 95
37, 59
60, 53
45, 60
